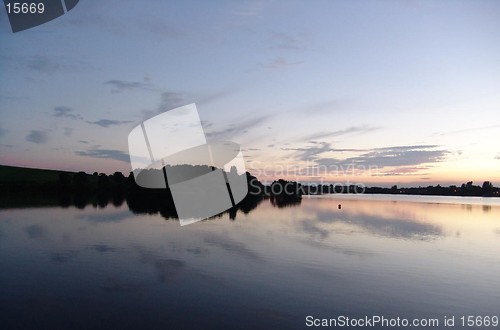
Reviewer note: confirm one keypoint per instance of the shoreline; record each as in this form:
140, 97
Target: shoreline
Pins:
427, 199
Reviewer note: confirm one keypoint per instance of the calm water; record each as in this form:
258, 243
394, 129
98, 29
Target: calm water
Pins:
110, 268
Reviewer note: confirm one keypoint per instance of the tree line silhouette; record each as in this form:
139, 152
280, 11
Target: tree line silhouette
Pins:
37, 188
466, 189
23, 187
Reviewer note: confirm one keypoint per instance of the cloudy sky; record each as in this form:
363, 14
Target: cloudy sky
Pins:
389, 92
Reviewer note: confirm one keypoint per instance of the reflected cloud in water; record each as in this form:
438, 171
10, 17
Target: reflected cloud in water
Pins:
388, 225
397, 228
101, 248
310, 227
106, 217
198, 251
348, 251
231, 246
116, 285
64, 256
167, 269
35, 231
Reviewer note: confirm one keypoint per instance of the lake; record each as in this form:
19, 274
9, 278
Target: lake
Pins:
273, 267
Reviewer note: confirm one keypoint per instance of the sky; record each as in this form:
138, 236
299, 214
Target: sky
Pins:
371, 92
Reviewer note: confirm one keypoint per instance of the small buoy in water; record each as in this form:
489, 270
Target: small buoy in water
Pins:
340, 206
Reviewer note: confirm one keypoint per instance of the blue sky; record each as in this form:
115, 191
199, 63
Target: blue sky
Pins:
402, 92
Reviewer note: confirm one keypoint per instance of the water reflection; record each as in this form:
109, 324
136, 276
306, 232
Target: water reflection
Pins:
106, 217
102, 248
360, 252
117, 285
231, 246
35, 231
63, 256
283, 200
139, 201
130, 268
398, 223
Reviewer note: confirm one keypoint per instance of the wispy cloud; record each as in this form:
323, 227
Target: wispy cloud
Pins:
122, 85
105, 19
65, 112
403, 155
287, 42
109, 122
279, 63
168, 101
105, 154
404, 171
236, 129
312, 152
171, 100
469, 130
389, 161
52, 65
2, 131
206, 124
68, 131
208, 98
249, 8
349, 130
396, 156
38, 137
43, 64
317, 148
327, 106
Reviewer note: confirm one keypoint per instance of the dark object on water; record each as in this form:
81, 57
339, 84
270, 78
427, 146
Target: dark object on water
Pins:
340, 206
